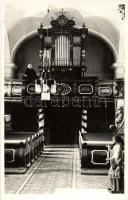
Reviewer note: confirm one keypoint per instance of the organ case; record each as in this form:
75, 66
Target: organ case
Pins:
63, 45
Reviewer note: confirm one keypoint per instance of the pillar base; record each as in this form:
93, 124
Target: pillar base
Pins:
9, 70
119, 70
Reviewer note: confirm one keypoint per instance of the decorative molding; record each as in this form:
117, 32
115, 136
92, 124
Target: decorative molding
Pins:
62, 21
105, 91
93, 153
64, 89
12, 152
85, 85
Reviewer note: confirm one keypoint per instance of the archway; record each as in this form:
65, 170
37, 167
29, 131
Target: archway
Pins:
100, 55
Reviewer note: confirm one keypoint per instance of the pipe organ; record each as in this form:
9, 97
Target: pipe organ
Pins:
63, 44
62, 51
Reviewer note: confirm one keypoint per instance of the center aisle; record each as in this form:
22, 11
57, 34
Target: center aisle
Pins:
59, 168
55, 171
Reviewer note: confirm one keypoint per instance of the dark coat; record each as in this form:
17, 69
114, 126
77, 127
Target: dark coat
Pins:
30, 74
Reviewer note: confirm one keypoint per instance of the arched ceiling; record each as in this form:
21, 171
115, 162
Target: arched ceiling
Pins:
20, 20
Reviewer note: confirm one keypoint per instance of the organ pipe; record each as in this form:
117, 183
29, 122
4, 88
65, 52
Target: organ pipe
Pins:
62, 52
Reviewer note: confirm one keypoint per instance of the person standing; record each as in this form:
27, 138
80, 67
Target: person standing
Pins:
30, 74
116, 165
29, 77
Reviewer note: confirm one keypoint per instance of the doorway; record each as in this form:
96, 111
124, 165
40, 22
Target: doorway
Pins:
63, 125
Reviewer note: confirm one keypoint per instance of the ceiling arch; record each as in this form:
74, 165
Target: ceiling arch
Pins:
28, 25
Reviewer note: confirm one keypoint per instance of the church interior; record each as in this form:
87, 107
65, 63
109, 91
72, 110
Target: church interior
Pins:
63, 96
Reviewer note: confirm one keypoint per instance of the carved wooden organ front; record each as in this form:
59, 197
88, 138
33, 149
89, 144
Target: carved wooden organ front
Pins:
63, 45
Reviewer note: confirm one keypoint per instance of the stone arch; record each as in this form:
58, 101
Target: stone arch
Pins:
91, 32
27, 25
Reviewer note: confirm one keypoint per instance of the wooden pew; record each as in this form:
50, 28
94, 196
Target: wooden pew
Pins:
16, 155
33, 147
94, 153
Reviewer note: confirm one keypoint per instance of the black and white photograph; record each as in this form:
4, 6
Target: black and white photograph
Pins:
63, 98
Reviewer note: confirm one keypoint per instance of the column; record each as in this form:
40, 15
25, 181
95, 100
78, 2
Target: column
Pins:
119, 76
83, 137
9, 67
119, 65
84, 123
41, 128
84, 33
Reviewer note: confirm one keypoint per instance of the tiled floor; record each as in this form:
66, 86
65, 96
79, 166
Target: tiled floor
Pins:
58, 168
